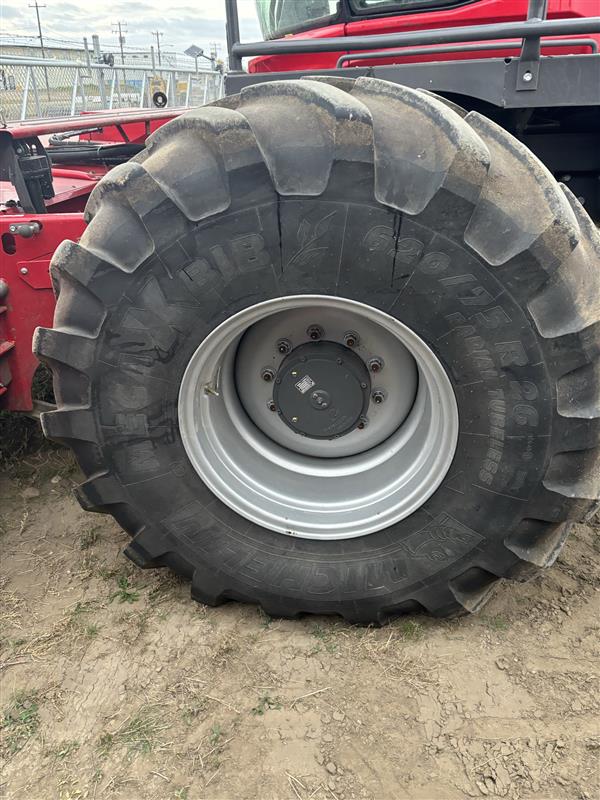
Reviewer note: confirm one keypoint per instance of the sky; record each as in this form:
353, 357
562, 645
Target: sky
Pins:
199, 22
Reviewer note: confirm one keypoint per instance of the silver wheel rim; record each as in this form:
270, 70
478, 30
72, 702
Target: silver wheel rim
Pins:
360, 483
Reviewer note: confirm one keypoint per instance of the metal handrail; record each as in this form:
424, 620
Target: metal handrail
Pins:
472, 33
461, 48
72, 86
16, 61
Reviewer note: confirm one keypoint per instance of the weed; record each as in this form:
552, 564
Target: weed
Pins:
89, 538
108, 573
497, 623
265, 619
319, 632
125, 593
410, 630
78, 611
181, 794
66, 748
21, 720
215, 734
105, 743
97, 775
265, 704
91, 631
190, 713
325, 636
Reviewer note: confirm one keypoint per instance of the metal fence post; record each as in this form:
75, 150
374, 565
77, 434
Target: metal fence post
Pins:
36, 97
97, 56
25, 93
112, 90
143, 91
74, 92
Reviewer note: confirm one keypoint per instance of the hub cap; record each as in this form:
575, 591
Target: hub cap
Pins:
318, 417
322, 390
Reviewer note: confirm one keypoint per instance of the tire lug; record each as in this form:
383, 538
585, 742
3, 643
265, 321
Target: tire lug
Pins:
378, 396
284, 346
267, 374
362, 423
375, 364
351, 339
315, 332
271, 405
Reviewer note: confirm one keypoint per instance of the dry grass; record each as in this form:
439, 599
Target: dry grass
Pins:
139, 732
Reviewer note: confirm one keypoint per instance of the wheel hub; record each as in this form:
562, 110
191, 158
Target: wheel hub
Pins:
318, 454
322, 390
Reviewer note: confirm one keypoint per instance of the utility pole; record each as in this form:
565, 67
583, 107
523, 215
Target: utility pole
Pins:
158, 34
117, 27
37, 7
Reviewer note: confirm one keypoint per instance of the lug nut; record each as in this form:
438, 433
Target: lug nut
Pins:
271, 406
351, 339
375, 364
378, 396
314, 332
362, 423
284, 346
267, 374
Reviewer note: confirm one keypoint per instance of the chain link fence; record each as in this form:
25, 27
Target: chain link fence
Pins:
36, 88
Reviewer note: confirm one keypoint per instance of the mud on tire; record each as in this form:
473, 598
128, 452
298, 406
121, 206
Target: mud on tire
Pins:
373, 192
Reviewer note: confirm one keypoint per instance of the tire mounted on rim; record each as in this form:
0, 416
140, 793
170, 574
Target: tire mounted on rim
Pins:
333, 346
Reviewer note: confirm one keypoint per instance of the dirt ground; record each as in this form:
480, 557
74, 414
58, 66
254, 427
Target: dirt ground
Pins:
116, 685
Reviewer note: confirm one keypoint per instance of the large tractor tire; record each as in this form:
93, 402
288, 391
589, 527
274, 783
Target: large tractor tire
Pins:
333, 347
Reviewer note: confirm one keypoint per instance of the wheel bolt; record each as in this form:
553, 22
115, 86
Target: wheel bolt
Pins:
284, 346
271, 406
375, 364
267, 374
363, 423
314, 332
351, 339
378, 396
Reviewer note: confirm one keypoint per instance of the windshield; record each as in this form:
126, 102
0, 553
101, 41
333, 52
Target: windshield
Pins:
278, 17
381, 6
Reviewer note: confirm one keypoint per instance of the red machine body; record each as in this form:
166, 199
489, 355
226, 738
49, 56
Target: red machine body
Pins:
473, 12
26, 297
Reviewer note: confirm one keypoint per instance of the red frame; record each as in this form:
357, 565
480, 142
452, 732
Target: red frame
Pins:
29, 300
26, 297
